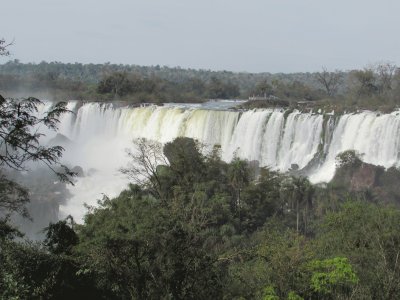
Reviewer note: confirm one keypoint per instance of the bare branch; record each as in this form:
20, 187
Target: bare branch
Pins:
3, 47
329, 80
145, 157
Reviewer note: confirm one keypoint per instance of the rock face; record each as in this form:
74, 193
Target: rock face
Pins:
364, 177
374, 182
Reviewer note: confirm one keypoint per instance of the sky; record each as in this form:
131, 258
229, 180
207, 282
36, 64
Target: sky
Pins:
251, 36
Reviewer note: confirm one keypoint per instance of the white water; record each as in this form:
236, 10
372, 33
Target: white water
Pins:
275, 138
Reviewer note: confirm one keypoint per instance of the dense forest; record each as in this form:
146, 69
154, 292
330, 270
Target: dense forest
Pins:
191, 226
374, 87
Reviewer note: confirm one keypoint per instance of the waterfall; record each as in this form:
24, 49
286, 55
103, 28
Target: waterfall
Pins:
373, 135
277, 138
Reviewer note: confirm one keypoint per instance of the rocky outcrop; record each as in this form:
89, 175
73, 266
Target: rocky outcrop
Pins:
374, 182
364, 177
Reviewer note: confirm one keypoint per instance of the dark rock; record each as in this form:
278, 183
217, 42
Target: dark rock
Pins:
60, 140
78, 170
364, 177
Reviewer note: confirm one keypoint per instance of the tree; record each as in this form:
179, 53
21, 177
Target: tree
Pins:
366, 84
19, 138
238, 174
12, 198
142, 249
117, 84
329, 80
218, 89
378, 79
298, 193
146, 158
260, 200
369, 236
348, 158
186, 160
3, 48
28, 271
61, 237
264, 89
333, 277
20, 143
385, 73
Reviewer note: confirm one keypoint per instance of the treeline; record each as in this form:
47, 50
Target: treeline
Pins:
131, 87
140, 89
195, 227
98, 81
374, 87
156, 84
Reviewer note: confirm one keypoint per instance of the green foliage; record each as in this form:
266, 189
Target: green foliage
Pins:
195, 227
269, 294
141, 88
19, 140
116, 84
331, 275
375, 87
13, 289
279, 90
217, 89
154, 253
180, 238
13, 197
185, 160
60, 237
263, 88
366, 82
348, 158
21, 144
7, 231
26, 270
294, 296
298, 193
368, 235
29, 272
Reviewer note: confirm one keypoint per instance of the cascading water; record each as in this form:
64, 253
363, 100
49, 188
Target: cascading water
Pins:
276, 138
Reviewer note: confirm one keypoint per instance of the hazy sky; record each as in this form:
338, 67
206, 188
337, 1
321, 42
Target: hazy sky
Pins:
252, 35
